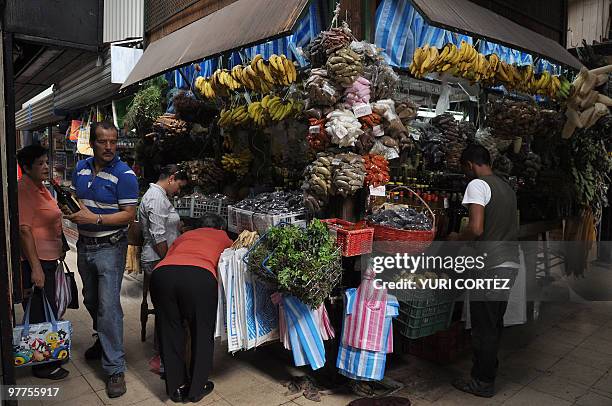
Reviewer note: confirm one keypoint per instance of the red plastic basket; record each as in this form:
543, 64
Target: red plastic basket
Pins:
352, 242
392, 240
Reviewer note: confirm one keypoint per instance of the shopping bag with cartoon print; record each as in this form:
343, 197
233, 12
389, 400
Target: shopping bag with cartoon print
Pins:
40, 343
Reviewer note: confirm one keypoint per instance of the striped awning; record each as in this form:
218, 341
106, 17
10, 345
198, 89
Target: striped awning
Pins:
400, 30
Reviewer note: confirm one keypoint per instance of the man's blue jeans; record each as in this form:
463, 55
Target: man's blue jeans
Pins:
101, 267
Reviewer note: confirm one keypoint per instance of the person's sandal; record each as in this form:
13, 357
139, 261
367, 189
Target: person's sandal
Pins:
55, 375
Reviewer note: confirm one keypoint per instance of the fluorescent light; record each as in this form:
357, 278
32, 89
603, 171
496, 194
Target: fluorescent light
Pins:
38, 97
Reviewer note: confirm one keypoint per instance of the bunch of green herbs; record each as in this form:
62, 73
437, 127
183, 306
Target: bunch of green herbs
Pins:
305, 263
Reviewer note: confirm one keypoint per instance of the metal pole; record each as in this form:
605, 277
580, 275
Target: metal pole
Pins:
9, 257
51, 151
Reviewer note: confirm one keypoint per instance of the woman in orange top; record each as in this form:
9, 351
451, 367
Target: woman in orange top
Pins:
184, 287
40, 237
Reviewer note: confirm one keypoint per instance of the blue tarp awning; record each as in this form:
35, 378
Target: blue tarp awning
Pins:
306, 29
400, 29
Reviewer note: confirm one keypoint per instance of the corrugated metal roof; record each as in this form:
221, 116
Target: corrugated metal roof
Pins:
243, 23
470, 18
36, 114
123, 19
87, 86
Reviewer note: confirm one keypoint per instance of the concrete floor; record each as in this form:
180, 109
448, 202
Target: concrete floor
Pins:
565, 358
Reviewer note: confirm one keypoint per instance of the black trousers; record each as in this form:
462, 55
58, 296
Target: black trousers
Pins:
185, 293
487, 319
37, 310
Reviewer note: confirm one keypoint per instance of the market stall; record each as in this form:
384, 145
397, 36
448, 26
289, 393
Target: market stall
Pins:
318, 167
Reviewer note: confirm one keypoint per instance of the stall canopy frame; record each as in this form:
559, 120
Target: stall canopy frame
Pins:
241, 24
472, 19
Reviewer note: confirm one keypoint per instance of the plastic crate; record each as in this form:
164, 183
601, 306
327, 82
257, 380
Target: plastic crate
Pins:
239, 220
183, 206
209, 205
443, 347
190, 206
351, 242
427, 313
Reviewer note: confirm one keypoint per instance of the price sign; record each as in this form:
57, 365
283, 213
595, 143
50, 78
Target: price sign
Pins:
328, 89
362, 109
378, 131
314, 129
247, 97
336, 161
378, 191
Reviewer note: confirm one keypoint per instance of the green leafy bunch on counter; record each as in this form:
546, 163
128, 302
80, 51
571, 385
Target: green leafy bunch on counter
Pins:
304, 262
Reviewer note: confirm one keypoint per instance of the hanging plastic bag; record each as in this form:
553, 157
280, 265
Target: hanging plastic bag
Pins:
83, 146
63, 291
443, 104
75, 126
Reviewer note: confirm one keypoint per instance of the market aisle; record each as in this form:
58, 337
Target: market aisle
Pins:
565, 359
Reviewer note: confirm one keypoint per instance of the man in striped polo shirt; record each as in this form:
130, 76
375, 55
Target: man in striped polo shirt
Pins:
108, 192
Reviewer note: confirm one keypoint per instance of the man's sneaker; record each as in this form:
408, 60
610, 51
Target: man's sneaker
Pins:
115, 386
476, 387
95, 351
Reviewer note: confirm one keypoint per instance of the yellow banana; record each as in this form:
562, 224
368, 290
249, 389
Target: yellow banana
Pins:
442, 56
267, 73
456, 55
264, 101
257, 58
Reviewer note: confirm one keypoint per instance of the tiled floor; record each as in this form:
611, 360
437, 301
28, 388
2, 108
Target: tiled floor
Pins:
563, 359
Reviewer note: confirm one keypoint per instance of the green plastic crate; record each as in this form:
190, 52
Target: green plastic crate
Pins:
432, 312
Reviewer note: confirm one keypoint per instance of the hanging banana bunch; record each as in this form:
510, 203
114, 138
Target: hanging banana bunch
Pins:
204, 86
278, 109
233, 117
465, 61
237, 163
258, 113
259, 76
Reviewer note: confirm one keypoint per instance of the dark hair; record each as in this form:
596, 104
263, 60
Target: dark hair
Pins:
172, 169
211, 220
107, 125
476, 154
27, 155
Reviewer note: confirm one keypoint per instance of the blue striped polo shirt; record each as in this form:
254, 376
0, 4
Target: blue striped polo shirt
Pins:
115, 185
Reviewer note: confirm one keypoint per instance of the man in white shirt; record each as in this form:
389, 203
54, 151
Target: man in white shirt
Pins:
493, 225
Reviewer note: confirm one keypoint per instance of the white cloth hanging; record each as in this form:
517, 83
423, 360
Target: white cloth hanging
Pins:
245, 309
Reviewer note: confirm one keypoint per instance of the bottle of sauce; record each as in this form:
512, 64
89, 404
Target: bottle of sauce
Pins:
64, 198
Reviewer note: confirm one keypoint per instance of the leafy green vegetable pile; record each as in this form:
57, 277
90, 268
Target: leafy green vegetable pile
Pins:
590, 164
305, 263
145, 108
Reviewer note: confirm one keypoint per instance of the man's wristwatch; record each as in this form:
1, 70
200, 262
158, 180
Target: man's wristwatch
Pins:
99, 220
